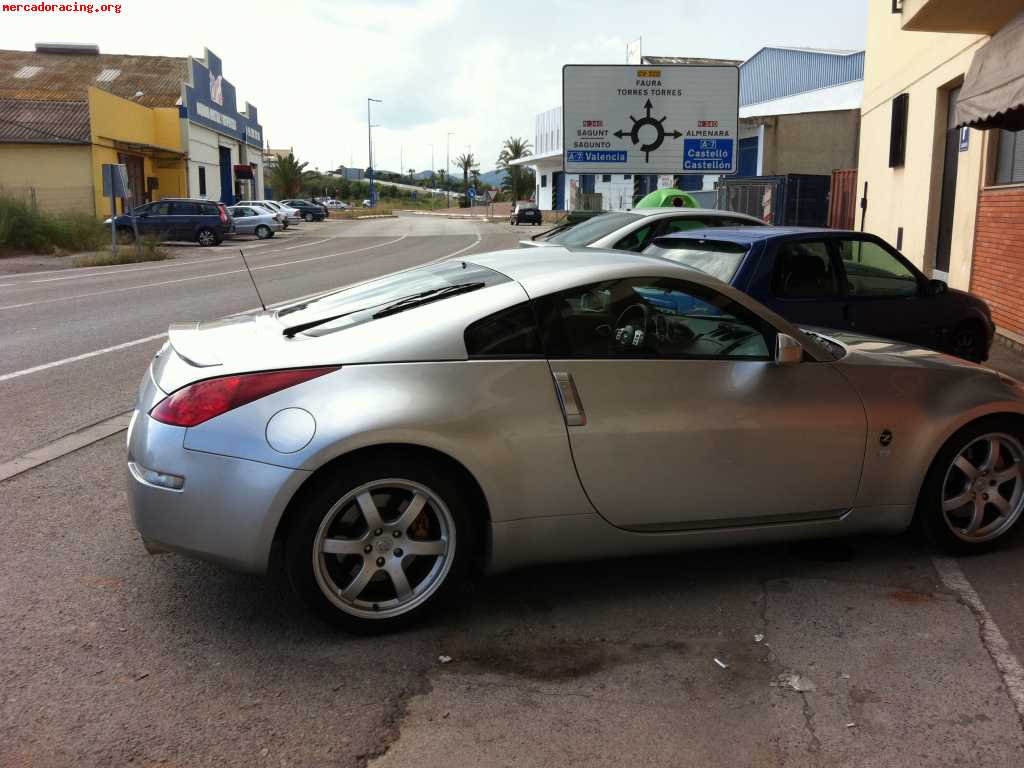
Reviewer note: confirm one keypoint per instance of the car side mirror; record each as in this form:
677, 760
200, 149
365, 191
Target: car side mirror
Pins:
787, 350
935, 287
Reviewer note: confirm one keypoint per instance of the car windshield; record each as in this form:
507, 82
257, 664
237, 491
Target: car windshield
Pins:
385, 296
587, 232
718, 259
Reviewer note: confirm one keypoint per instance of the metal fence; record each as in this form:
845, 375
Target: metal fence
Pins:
53, 199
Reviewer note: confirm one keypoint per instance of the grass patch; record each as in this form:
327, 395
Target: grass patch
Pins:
148, 249
26, 230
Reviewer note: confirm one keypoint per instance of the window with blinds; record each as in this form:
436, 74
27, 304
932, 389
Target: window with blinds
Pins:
1010, 158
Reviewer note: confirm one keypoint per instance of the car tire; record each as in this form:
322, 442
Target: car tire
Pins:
513, 222
206, 237
968, 341
352, 581
967, 487
307, 217
263, 232
125, 235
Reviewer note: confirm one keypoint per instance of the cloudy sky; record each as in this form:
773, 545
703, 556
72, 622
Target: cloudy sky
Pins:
479, 69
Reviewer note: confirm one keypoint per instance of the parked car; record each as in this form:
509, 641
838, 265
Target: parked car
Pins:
289, 215
350, 430
172, 218
367, 203
254, 220
525, 213
309, 211
634, 230
838, 279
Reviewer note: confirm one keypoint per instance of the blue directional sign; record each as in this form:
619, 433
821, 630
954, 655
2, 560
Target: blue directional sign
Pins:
595, 156
707, 154
471, 193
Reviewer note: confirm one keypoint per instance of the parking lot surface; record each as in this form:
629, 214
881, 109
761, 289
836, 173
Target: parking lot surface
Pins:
857, 653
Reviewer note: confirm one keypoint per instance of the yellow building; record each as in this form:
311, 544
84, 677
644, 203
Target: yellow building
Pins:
930, 177
65, 110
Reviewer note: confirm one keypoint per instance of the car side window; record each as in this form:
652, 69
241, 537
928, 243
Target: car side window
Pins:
159, 209
651, 317
804, 270
511, 332
636, 240
682, 224
184, 209
871, 271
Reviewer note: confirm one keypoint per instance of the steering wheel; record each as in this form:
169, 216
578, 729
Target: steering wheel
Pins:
630, 335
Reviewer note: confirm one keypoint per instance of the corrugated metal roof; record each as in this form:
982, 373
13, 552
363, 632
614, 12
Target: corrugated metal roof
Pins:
655, 60
44, 122
65, 77
773, 73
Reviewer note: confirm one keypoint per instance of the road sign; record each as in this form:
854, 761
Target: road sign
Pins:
650, 119
471, 193
491, 195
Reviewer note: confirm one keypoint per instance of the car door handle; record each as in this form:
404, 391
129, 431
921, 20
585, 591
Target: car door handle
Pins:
569, 399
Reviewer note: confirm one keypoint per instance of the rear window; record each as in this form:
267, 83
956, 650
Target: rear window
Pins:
210, 209
385, 296
718, 259
586, 232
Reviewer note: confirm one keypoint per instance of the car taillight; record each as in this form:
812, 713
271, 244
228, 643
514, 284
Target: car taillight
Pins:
199, 402
223, 213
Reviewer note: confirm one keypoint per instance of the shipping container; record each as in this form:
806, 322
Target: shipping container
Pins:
795, 199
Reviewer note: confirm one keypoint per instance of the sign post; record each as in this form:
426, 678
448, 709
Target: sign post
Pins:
669, 119
115, 185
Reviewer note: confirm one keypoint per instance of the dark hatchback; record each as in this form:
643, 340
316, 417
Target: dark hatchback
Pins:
838, 279
525, 214
307, 210
200, 221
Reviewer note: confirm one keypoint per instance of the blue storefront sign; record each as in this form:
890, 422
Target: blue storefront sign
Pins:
707, 154
595, 156
965, 138
210, 102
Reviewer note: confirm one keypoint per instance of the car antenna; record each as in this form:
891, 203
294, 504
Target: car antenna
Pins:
262, 305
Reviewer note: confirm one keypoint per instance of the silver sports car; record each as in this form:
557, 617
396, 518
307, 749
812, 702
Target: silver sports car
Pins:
519, 407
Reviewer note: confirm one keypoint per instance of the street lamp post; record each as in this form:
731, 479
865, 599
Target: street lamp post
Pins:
448, 169
433, 170
369, 153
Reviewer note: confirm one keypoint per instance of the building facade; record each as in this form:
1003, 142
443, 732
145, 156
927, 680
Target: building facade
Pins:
225, 146
942, 157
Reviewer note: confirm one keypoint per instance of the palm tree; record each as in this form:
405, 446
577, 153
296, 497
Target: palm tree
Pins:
412, 175
287, 175
514, 148
466, 163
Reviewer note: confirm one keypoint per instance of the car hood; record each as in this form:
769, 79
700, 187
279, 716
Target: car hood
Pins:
536, 244
872, 350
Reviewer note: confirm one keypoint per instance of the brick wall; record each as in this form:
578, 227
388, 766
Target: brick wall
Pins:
997, 272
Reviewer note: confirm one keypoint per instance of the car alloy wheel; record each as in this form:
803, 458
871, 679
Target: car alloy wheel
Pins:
384, 548
966, 342
263, 232
983, 490
307, 217
206, 238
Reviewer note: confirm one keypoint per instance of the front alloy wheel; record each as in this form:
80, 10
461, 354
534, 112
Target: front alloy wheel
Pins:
974, 493
377, 550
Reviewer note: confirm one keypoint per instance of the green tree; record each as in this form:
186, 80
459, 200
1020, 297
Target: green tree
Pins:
466, 163
518, 179
287, 175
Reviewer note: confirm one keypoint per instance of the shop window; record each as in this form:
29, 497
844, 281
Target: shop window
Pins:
606, 177
543, 179
202, 180
898, 131
627, 176
1010, 158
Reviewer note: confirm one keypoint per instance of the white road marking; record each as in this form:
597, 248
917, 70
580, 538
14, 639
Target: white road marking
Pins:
1009, 668
456, 253
197, 277
64, 445
76, 358
197, 262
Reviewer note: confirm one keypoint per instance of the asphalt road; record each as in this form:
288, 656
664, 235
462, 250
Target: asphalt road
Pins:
109, 657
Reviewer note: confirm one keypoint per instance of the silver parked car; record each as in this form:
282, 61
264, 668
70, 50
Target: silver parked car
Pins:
635, 230
287, 214
521, 407
254, 220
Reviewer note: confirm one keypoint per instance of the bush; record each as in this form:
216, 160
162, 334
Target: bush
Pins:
23, 229
148, 249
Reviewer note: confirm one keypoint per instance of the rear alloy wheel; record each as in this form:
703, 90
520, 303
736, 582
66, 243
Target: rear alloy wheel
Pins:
263, 232
974, 493
206, 237
307, 217
378, 550
968, 342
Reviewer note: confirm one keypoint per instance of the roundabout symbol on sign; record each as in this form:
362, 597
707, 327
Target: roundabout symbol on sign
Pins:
656, 123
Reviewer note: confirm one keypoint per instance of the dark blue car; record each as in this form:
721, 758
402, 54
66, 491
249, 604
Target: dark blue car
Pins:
201, 221
838, 279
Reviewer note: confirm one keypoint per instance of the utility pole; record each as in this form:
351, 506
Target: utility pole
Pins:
447, 169
433, 170
369, 153
401, 162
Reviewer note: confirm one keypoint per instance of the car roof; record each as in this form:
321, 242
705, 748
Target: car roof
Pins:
686, 211
748, 235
